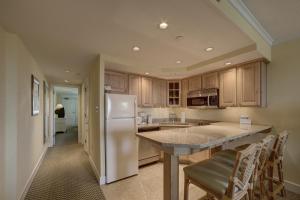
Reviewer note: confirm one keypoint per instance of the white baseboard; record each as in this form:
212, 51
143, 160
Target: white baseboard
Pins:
94, 168
293, 187
102, 180
32, 175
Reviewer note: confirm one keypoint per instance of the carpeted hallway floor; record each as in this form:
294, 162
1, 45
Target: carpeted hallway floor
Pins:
65, 173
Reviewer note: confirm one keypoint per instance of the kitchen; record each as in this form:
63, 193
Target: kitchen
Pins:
173, 97
165, 106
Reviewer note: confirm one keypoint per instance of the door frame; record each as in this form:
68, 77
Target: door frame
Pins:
52, 111
46, 112
85, 116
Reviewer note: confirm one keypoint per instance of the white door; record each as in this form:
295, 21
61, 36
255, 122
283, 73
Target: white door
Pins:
121, 149
120, 106
70, 105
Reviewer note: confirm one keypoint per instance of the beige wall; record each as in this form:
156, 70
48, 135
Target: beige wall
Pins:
2, 110
95, 83
94, 136
283, 110
21, 134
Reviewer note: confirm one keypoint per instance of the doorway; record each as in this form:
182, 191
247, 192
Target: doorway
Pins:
66, 112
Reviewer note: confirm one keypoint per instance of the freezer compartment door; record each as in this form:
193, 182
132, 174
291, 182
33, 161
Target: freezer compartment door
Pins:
121, 149
120, 106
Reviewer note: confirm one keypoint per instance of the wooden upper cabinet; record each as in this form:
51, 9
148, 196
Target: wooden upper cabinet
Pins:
210, 80
195, 83
159, 90
135, 88
146, 87
228, 87
184, 92
117, 81
251, 81
174, 93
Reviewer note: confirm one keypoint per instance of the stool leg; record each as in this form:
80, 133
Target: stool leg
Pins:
270, 174
261, 186
186, 187
280, 175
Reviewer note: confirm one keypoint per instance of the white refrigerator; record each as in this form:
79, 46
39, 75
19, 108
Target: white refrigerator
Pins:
121, 143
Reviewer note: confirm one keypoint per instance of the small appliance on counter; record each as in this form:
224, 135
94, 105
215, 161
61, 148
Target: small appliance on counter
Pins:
244, 119
149, 119
245, 122
143, 118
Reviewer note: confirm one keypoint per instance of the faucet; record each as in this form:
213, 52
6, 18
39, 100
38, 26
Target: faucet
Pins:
172, 117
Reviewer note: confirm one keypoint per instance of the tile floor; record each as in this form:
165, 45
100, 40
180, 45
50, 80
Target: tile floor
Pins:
148, 185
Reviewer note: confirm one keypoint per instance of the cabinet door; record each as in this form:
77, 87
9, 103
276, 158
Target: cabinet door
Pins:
146, 91
248, 78
228, 87
135, 88
158, 93
117, 81
184, 92
163, 91
195, 83
210, 80
174, 93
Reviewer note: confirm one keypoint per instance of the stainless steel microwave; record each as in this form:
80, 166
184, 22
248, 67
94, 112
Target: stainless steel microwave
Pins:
205, 98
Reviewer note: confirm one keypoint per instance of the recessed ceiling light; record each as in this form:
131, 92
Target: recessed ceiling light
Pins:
228, 63
208, 49
136, 48
163, 25
67, 81
178, 61
147, 73
67, 71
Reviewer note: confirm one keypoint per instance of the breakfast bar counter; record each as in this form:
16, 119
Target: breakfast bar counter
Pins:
184, 141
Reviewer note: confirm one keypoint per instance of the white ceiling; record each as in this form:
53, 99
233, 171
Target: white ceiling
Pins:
68, 34
280, 18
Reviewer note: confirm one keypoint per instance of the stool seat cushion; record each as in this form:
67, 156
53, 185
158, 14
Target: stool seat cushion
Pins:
210, 174
227, 157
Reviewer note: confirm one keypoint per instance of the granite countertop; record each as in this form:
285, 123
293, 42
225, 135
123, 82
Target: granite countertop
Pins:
201, 137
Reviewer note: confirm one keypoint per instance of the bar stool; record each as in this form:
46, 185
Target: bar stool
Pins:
228, 157
221, 180
276, 161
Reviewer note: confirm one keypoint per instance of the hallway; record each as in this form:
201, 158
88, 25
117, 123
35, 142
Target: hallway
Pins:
65, 173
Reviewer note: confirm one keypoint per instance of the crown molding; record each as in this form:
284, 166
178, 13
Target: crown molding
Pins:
251, 19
